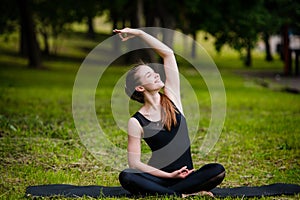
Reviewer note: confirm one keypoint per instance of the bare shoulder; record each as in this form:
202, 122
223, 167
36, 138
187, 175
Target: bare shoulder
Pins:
134, 128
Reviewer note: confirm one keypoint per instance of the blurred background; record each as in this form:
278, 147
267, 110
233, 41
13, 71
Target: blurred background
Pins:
271, 26
255, 45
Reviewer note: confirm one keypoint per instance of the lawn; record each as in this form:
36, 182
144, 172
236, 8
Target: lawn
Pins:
39, 143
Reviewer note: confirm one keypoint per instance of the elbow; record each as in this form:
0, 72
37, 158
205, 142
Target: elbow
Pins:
133, 165
168, 53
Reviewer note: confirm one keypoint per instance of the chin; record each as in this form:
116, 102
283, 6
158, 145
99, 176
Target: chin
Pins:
162, 85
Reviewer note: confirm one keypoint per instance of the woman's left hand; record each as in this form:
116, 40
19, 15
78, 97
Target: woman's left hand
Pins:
127, 33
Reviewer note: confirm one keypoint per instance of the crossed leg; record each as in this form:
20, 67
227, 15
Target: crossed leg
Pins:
204, 179
139, 183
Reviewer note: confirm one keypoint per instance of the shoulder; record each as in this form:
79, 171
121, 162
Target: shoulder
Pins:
133, 121
134, 127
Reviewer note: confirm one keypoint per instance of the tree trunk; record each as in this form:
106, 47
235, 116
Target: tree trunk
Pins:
137, 14
46, 50
286, 52
27, 25
136, 21
23, 49
151, 21
168, 21
193, 53
91, 30
248, 60
268, 47
116, 45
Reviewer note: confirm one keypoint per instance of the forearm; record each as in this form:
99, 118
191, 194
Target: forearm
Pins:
149, 169
160, 48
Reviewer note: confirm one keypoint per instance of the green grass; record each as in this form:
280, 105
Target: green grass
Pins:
39, 143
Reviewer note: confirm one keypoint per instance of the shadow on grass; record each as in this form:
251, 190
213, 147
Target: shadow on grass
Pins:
10, 57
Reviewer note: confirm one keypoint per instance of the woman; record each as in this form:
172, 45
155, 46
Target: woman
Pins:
161, 123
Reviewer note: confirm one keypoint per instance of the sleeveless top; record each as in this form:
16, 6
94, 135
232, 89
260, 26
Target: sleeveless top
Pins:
170, 149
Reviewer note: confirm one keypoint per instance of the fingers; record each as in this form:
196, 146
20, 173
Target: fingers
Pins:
189, 172
118, 30
183, 168
123, 34
184, 172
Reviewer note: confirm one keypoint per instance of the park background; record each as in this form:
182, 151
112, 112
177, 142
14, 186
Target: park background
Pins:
43, 44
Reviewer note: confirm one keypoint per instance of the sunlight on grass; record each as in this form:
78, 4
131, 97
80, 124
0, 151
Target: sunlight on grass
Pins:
39, 143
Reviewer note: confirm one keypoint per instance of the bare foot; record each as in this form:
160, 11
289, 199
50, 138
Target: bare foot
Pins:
201, 193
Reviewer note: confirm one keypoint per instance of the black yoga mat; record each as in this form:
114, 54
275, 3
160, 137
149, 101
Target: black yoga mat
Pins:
258, 191
102, 191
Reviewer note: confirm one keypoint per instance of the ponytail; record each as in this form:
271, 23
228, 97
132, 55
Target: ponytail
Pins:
168, 112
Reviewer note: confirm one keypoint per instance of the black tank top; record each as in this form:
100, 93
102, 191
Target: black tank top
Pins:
170, 149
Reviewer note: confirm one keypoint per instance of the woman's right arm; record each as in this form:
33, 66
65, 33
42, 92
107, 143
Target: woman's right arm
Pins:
172, 83
134, 154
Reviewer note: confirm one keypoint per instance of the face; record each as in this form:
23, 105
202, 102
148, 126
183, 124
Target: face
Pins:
150, 80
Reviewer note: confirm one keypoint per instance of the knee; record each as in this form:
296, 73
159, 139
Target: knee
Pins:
219, 171
219, 168
216, 167
126, 176
214, 170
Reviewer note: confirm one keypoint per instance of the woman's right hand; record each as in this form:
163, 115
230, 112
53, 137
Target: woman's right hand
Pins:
181, 173
127, 33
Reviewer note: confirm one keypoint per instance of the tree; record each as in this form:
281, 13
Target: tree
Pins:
238, 25
133, 17
116, 14
195, 15
28, 29
86, 11
53, 16
9, 17
50, 17
287, 12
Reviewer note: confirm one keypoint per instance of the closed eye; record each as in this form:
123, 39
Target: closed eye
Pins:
148, 74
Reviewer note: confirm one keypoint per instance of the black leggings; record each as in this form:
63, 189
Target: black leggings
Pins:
203, 179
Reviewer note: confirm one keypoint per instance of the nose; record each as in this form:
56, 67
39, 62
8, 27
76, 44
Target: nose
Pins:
156, 75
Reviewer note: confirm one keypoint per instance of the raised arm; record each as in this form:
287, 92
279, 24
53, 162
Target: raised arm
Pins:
172, 83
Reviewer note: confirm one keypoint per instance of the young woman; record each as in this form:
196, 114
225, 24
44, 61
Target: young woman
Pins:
161, 123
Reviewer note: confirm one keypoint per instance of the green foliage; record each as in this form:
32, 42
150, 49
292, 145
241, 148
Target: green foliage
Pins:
232, 22
9, 15
239, 23
39, 143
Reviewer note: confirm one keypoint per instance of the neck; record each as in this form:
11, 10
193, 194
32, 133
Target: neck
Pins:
152, 100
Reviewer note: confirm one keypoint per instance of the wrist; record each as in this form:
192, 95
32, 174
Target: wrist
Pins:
139, 32
169, 175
